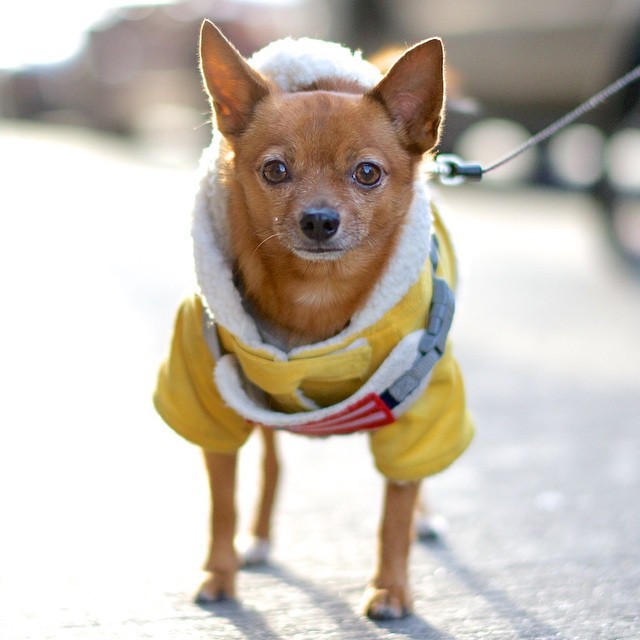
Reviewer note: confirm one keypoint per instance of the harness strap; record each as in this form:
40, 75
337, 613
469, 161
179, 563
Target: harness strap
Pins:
374, 410
431, 347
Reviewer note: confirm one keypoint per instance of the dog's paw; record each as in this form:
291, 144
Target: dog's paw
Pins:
218, 586
255, 552
387, 604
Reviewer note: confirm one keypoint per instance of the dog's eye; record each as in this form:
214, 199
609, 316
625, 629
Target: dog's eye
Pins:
275, 171
368, 174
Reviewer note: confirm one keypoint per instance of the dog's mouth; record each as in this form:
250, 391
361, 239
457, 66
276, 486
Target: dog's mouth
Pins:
315, 249
319, 253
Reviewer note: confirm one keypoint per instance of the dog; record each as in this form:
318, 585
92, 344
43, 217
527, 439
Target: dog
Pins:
325, 281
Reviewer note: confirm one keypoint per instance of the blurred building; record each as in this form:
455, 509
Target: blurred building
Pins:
514, 66
519, 60
138, 71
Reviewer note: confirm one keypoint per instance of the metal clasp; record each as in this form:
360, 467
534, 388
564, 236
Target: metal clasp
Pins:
451, 170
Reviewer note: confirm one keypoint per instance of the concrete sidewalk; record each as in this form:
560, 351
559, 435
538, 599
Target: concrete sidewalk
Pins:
104, 509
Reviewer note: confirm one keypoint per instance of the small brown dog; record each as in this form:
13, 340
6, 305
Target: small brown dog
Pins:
323, 308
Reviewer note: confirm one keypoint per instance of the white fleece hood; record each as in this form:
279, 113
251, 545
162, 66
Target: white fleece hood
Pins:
293, 64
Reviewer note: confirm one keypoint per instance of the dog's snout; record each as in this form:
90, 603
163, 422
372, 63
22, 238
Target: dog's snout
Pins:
319, 224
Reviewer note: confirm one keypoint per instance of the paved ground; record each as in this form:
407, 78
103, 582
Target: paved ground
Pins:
104, 509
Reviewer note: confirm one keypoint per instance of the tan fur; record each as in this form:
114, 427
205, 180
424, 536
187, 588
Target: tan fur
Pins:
321, 143
303, 289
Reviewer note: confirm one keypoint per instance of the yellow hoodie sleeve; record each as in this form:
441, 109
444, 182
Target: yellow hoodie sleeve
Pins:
186, 396
431, 433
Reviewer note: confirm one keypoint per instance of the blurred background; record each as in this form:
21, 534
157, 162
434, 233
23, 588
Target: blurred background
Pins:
102, 121
514, 66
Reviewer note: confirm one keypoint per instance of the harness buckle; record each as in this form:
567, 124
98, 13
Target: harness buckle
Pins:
440, 319
430, 348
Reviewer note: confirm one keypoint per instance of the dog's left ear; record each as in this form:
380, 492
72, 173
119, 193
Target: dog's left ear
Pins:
412, 92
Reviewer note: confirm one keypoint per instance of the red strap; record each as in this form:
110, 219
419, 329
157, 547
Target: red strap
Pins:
370, 412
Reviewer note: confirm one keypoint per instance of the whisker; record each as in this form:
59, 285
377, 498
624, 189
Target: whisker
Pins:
307, 267
273, 235
205, 123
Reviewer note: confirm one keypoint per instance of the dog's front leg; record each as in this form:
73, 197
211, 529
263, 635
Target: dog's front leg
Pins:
388, 596
222, 563
258, 549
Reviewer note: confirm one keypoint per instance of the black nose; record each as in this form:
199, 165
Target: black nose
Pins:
319, 224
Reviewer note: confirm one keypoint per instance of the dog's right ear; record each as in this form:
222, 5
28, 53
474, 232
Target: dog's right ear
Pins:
233, 86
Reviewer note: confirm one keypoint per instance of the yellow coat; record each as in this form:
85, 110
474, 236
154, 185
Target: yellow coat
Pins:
427, 437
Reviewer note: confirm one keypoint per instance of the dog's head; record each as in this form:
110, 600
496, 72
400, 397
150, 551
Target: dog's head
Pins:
328, 170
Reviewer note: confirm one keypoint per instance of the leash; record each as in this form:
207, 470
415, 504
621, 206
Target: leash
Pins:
452, 170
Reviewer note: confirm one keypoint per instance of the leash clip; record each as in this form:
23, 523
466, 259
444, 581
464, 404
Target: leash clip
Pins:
451, 170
